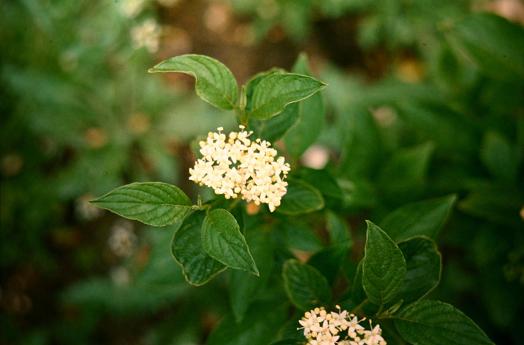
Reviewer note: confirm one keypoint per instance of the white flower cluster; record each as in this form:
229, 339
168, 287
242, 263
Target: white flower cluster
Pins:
234, 166
338, 328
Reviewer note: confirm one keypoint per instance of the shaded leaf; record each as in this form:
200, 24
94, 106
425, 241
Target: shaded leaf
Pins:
244, 286
338, 230
493, 43
499, 157
436, 323
259, 327
310, 117
306, 287
419, 218
300, 198
423, 263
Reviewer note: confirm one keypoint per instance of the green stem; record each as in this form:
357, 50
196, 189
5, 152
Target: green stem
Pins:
241, 107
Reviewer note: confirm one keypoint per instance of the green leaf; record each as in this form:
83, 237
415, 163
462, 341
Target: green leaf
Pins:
419, 218
296, 234
274, 91
362, 150
223, 241
440, 124
274, 128
329, 260
358, 295
493, 43
305, 286
403, 176
500, 205
152, 203
383, 266
436, 323
300, 198
214, 84
259, 327
499, 157
423, 263
310, 117
244, 287
338, 230
198, 267
324, 181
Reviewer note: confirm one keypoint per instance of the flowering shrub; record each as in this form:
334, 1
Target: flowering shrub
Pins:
420, 130
399, 268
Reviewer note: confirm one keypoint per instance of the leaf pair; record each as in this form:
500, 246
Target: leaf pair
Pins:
406, 271
392, 272
409, 268
300, 123
203, 245
268, 94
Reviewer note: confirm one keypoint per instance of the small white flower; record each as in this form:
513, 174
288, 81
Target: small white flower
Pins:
235, 166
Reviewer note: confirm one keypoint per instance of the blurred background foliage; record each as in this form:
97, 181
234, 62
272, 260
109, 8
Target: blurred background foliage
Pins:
425, 99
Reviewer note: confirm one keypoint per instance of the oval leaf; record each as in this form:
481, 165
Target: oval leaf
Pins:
499, 157
493, 43
337, 228
423, 261
300, 198
152, 203
383, 266
260, 326
215, 83
198, 267
310, 114
244, 287
223, 241
274, 128
274, 91
305, 286
437, 323
424, 218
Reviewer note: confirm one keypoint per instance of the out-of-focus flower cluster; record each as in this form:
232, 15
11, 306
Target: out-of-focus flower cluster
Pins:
338, 328
146, 35
236, 166
122, 240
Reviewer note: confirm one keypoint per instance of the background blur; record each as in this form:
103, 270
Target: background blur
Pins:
425, 99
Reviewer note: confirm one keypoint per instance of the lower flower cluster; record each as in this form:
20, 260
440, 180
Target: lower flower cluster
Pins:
338, 328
